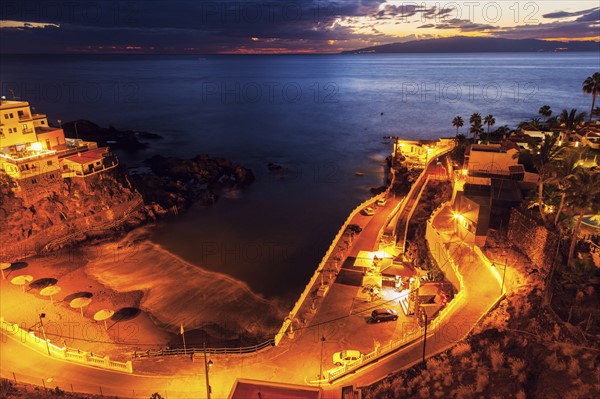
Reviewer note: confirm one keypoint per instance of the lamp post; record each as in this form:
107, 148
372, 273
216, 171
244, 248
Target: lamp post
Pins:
321, 361
42, 316
424, 313
503, 275
207, 365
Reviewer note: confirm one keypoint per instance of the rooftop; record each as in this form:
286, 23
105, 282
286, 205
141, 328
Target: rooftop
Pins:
6, 104
88, 156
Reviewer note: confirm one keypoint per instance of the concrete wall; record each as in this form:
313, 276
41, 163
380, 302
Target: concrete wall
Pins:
439, 252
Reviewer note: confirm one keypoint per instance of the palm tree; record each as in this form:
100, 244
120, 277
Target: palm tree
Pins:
543, 154
570, 120
583, 197
501, 132
457, 122
476, 128
562, 169
533, 124
591, 85
545, 111
489, 121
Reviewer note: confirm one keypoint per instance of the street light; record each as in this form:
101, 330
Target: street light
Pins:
321, 363
43, 315
424, 314
503, 275
207, 365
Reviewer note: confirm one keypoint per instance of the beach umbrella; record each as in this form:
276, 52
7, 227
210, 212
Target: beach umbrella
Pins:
50, 291
80, 303
22, 280
4, 266
103, 315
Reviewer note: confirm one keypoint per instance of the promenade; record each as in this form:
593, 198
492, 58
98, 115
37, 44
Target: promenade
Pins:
335, 322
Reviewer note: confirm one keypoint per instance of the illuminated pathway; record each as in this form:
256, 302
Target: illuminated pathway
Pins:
294, 361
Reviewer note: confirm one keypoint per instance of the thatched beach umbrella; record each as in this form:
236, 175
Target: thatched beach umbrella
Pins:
22, 280
4, 266
50, 291
103, 315
80, 303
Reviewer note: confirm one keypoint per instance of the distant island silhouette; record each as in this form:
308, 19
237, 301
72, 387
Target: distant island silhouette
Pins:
463, 44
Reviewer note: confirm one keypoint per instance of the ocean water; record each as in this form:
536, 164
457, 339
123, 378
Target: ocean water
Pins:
322, 117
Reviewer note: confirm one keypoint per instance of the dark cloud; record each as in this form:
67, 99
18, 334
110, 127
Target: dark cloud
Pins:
229, 25
593, 16
463, 25
566, 14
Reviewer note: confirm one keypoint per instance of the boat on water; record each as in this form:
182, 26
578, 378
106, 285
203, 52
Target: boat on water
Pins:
359, 173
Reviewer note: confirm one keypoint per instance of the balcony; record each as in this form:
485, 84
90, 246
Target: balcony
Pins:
24, 117
26, 131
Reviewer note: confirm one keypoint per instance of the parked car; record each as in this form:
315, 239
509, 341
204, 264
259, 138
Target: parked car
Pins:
379, 315
368, 211
354, 227
381, 201
347, 356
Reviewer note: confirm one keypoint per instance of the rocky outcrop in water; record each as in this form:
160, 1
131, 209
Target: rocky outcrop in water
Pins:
175, 184
129, 140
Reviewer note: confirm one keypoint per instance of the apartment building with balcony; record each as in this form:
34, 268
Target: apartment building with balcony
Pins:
36, 154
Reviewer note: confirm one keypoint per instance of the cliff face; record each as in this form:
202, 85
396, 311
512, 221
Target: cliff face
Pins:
102, 206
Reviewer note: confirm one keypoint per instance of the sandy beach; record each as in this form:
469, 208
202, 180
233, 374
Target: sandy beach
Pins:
133, 273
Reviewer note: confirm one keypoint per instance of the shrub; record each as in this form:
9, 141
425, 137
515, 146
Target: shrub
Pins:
461, 349
574, 369
496, 358
482, 379
555, 363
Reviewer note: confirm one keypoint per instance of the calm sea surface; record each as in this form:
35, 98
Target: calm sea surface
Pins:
322, 117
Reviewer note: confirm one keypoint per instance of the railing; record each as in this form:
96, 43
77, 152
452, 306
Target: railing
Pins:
410, 336
288, 320
378, 352
200, 351
105, 226
68, 354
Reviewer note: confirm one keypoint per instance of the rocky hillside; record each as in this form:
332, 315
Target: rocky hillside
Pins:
66, 208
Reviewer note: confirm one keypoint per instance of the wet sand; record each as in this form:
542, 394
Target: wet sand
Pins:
133, 272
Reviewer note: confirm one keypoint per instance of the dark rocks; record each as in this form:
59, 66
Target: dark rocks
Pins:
175, 184
111, 137
273, 167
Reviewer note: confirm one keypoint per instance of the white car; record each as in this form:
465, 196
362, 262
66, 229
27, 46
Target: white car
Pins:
347, 356
381, 202
368, 211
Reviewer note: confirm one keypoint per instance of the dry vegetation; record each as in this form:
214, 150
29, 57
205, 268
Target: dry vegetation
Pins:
519, 351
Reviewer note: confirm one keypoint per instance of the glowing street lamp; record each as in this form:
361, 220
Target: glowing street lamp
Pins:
321, 362
207, 365
42, 316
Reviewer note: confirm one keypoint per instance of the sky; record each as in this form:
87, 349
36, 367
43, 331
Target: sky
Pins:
277, 26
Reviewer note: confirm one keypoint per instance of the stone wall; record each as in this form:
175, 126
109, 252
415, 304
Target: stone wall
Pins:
532, 239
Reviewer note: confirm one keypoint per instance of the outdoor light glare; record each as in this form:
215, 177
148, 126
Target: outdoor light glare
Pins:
210, 363
37, 146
